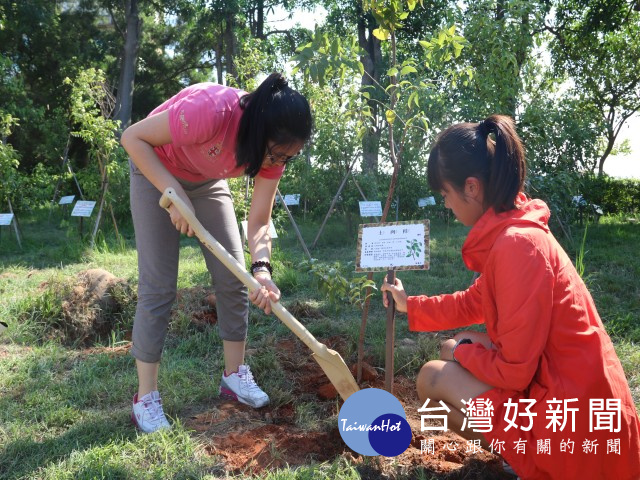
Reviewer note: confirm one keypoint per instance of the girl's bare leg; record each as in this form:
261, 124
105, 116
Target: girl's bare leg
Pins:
448, 381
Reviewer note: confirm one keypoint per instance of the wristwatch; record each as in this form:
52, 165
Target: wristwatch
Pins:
462, 341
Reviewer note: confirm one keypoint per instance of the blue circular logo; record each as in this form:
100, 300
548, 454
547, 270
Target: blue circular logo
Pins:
373, 422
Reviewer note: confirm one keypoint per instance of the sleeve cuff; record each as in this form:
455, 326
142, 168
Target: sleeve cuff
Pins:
413, 306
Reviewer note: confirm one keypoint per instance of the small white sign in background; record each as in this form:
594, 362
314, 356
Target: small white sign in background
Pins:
272, 229
292, 199
83, 208
6, 218
371, 209
66, 200
398, 246
423, 202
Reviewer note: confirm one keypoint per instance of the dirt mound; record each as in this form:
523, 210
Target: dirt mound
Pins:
304, 310
251, 441
93, 306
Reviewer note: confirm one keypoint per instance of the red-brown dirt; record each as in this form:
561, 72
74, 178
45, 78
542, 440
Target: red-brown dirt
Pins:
253, 441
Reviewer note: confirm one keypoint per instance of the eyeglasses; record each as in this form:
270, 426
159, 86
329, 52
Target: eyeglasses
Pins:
279, 159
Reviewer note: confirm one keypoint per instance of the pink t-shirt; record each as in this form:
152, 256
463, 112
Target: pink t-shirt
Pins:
204, 120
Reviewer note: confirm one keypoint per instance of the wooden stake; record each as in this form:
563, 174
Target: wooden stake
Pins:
333, 202
295, 226
15, 223
391, 323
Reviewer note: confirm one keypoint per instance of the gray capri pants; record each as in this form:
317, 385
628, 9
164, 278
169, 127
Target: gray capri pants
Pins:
158, 242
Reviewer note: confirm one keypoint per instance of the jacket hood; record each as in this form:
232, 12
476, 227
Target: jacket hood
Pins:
483, 234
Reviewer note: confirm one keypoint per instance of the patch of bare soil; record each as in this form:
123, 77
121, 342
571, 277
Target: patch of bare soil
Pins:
253, 441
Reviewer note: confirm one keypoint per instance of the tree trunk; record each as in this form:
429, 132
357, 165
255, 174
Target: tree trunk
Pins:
230, 40
611, 140
219, 50
129, 59
500, 9
260, 20
372, 68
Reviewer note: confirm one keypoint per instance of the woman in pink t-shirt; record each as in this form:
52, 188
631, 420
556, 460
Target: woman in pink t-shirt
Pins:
193, 142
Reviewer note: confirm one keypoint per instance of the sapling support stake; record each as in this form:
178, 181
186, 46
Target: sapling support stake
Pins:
390, 338
293, 223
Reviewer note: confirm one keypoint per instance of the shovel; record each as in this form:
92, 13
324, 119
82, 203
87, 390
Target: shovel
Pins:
330, 360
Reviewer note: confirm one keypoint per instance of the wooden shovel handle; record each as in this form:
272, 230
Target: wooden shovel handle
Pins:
171, 197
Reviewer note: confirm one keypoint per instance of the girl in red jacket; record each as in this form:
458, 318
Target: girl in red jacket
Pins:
543, 387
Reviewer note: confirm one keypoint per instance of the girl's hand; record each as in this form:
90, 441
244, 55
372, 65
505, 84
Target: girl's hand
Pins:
399, 295
267, 291
178, 221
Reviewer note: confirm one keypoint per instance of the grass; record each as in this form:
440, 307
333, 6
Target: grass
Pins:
64, 411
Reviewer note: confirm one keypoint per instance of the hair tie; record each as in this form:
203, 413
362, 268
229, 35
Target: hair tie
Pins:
484, 128
280, 83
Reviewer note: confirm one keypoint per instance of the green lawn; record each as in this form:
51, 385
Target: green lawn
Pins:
64, 409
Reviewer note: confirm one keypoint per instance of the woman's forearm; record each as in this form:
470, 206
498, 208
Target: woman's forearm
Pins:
139, 141
259, 240
145, 158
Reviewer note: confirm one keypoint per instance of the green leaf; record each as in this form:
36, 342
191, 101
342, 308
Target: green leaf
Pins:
408, 69
411, 99
390, 116
335, 47
392, 71
381, 33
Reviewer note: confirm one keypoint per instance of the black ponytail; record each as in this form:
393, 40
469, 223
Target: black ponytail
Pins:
467, 150
273, 112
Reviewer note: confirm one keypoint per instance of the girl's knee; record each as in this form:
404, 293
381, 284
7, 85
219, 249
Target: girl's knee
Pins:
428, 379
447, 346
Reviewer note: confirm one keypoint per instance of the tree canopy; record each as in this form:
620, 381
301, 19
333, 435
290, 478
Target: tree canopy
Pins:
568, 71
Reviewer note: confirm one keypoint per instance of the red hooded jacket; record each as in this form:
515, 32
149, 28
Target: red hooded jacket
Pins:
549, 345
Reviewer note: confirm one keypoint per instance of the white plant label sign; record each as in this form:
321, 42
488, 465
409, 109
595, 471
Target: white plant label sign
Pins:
396, 245
83, 208
371, 209
6, 218
423, 202
292, 199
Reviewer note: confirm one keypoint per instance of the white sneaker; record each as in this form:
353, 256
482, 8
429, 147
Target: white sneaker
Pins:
242, 387
147, 413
